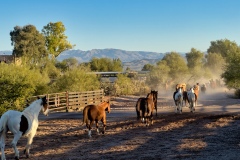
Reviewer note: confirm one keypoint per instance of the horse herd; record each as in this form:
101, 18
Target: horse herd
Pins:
26, 122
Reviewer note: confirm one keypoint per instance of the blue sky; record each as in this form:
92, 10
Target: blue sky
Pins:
132, 25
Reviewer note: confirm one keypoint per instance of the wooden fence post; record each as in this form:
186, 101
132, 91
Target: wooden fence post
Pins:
67, 102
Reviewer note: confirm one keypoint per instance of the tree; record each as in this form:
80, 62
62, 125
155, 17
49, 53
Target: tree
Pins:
195, 63
215, 63
158, 75
177, 64
106, 65
76, 79
147, 67
231, 73
29, 44
194, 58
18, 83
55, 39
67, 64
224, 47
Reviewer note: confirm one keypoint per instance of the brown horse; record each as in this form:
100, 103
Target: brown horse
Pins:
155, 97
140, 108
95, 113
196, 92
144, 108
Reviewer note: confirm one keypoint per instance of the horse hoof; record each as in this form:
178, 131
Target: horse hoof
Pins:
103, 132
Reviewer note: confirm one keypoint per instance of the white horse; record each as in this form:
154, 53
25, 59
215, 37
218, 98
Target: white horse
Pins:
178, 98
22, 123
192, 100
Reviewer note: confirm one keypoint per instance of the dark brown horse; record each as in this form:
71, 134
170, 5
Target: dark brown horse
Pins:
140, 107
155, 97
95, 113
144, 109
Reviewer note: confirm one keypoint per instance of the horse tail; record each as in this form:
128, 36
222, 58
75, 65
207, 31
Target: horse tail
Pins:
3, 122
85, 115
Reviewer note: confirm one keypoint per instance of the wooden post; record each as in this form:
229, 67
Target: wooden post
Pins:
67, 102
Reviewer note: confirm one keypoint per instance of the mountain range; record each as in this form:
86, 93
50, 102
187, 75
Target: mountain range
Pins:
135, 60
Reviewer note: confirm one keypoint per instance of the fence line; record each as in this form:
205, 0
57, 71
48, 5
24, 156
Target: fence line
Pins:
72, 101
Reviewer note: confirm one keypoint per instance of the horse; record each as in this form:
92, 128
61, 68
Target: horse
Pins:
144, 109
191, 98
140, 107
184, 90
95, 113
203, 88
196, 92
185, 98
155, 97
178, 99
23, 123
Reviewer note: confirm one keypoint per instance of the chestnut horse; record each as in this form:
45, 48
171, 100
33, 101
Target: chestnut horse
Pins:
95, 113
196, 92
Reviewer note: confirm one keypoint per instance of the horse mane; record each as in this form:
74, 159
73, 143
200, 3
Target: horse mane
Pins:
33, 104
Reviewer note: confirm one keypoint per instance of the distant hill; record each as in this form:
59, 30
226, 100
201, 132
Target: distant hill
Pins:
124, 56
135, 60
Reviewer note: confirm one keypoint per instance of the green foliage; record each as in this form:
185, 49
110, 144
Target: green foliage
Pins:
18, 83
224, 47
147, 67
195, 63
177, 64
127, 86
194, 58
29, 44
77, 79
51, 70
106, 65
55, 39
231, 72
237, 93
158, 75
215, 63
67, 64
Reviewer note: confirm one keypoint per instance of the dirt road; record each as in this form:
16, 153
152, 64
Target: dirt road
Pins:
212, 132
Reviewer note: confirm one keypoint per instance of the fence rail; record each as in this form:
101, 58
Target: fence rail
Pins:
72, 101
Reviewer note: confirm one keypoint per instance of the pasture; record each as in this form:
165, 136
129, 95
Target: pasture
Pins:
212, 132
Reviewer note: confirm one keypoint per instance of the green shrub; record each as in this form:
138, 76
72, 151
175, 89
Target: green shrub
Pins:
77, 79
18, 83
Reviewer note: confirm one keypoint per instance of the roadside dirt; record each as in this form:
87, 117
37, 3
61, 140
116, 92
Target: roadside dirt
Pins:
201, 135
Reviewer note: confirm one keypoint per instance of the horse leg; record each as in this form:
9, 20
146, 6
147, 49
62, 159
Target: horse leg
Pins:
176, 108
181, 106
29, 143
89, 129
152, 118
2, 141
17, 136
96, 121
104, 122
156, 108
